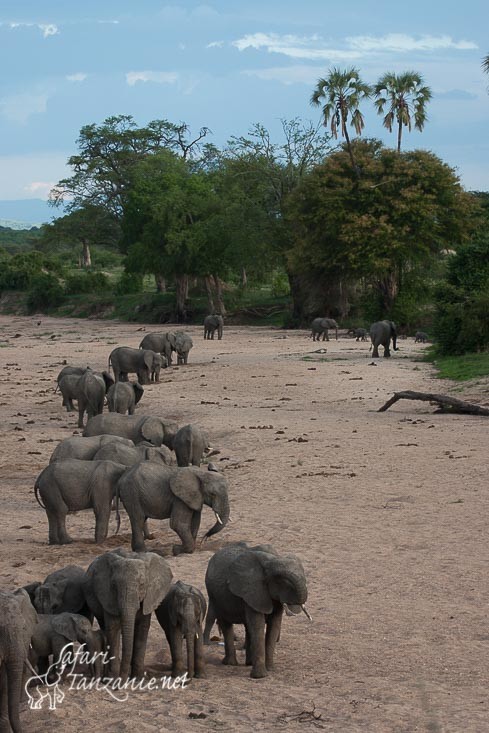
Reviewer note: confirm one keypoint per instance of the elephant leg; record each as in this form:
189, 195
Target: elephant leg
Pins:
53, 528
69, 405
146, 531
209, 622
387, 352
175, 639
141, 630
4, 722
229, 650
195, 524
57, 525
199, 670
81, 410
272, 635
112, 629
131, 410
375, 352
181, 523
137, 520
248, 661
255, 623
102, 517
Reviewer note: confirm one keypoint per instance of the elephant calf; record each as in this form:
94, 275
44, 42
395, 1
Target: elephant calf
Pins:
129, 455
70, 486
88, 390
61, 591
212, 324
190, 445
123, 397
181, 615
421, 336
320, 326
138, 428
85, 448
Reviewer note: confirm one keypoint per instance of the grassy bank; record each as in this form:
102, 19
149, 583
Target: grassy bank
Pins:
461, 368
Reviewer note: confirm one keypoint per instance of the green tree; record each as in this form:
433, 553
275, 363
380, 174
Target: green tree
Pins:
485, 64
405, 97
340, 94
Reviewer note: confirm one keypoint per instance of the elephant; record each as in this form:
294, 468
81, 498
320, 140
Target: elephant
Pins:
145, 363
54, 631
190, 445
149, 490
251, 586
73, 485
85, 448
123, 397
89, 390
70, 370
154, 430
18, 619
320, 326
360, 334
129, 455
211, 324
162, 343
122, 589
421, 336
382, 332
60, 592
183, 344
181, 615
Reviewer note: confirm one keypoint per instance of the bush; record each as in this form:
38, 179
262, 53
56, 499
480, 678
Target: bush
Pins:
280, 284
129, 282
45, 292
461, 323
86, 282
18, 270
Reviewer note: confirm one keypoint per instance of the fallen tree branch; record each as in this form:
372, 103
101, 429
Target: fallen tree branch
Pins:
445, 403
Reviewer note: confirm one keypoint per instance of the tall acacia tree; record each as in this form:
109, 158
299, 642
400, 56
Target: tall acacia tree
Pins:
339, 95
485, 64
405, 97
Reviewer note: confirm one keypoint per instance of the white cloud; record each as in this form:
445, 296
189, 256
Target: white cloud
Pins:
79, 76
108, 22
158, 77
47, 29
40, 188
215, 44
19, 107
400, 43
302, 74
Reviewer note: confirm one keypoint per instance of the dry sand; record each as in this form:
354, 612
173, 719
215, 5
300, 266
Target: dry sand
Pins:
388, 513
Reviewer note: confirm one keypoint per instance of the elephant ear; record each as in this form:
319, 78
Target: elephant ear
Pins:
66, 625
138, 391
152, 431
108, 381
148, 358
158, 581
185, 485
247, 580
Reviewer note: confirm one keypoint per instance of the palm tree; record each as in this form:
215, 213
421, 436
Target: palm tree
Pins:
485, 64
340, 94
406, 98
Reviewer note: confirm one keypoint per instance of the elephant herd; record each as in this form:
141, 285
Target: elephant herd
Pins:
381, 333
152, 468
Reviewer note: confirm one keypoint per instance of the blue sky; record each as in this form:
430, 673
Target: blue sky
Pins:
227, 65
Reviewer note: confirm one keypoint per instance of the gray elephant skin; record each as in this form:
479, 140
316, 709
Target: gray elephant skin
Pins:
181, 615
320, 326
85, 449
89, 391
421, 337
190, 445
73, 370
183, 344
54, 631
145, 363
18, 620
148, 490
61, 591
251, 586
123, 397
212, 324
129, 455
122, 589
360, 334
162, 343
73, 485
381, 334
138, 428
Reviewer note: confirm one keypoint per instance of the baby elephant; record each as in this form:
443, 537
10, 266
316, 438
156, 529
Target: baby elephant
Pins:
181, 615
421, 336
53, 632
190, 445
123, 397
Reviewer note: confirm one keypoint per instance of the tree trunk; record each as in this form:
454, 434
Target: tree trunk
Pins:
160, 283
389, 288
350, 149
220, 301
399, 135
244, 278
181, 282
86, 256
208, 290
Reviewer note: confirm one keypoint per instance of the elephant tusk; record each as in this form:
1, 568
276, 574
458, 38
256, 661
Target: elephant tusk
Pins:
230, 520
306, 612
218, 518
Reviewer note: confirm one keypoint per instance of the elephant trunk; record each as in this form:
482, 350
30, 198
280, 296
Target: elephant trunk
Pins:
43, 604
220, 506
188, 631
394, 342
127, 629
14, 674
190, 640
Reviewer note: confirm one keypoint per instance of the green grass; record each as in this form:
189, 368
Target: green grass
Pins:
461, 368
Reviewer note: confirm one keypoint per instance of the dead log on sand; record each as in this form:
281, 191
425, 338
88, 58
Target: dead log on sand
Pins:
445, 403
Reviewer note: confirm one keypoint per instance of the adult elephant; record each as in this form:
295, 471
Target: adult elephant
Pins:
251, 586
18, 620
88, 390
381, 333
183, 344
123, 397
122, 589
70, 486
320, 326
70, 370
150, 491
212, 324
85, 448
138, 428
145, 363
128, 455
162, 343
61, 591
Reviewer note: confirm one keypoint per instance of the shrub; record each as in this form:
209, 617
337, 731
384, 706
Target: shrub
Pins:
86, 282
461, 323
45, 292
129, 282
280, 284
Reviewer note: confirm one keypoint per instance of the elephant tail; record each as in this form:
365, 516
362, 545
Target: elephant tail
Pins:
36, 490
117, 511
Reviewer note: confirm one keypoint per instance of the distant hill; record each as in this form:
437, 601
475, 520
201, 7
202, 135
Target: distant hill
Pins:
26, 213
